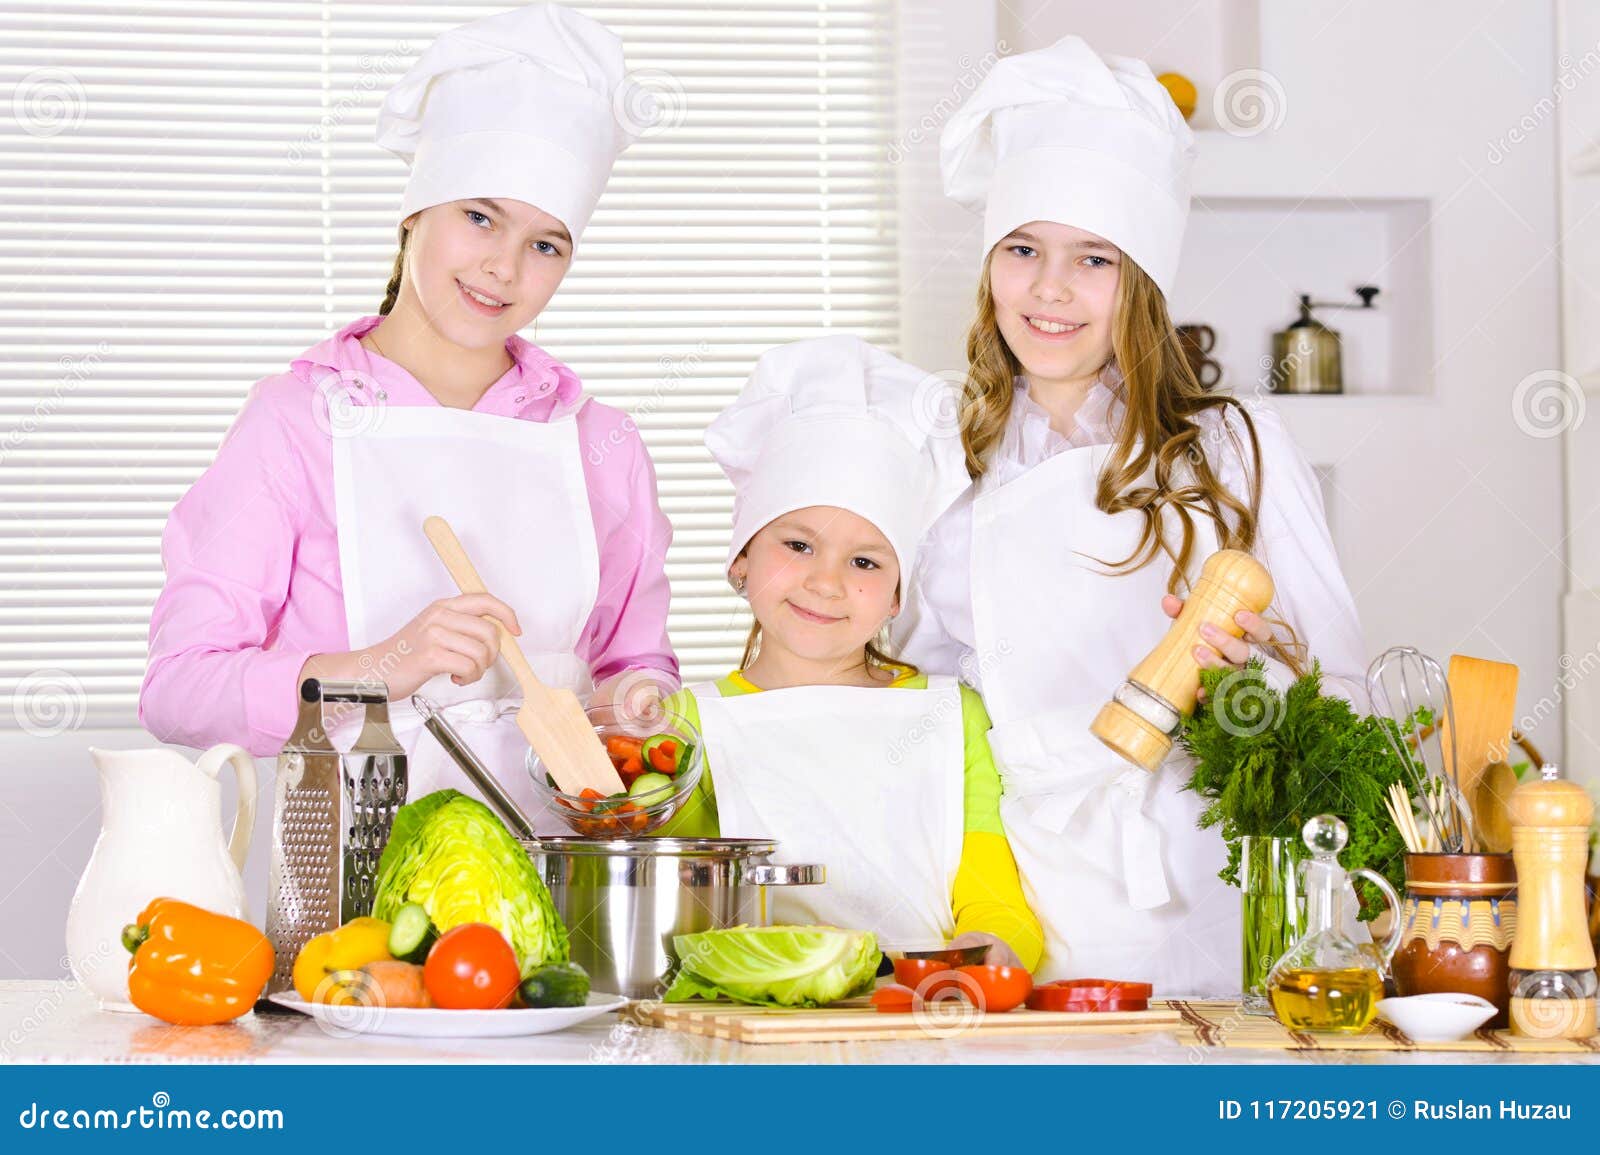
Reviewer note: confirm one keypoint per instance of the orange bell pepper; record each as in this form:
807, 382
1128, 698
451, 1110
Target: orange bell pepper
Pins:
193, 967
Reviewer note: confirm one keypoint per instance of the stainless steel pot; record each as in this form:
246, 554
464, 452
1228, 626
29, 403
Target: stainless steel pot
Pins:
623, 900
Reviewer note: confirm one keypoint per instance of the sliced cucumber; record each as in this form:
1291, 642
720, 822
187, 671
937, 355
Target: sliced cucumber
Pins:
653, 783
651, 745
411, 935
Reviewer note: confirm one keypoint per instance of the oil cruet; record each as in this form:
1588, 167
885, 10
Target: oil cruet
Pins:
1327, 981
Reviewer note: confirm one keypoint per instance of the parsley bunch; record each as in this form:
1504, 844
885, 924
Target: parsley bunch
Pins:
1266, 762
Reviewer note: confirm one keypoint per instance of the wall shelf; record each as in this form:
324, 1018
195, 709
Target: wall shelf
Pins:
1246, 260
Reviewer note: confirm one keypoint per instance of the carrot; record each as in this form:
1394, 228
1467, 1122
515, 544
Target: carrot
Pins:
624, 746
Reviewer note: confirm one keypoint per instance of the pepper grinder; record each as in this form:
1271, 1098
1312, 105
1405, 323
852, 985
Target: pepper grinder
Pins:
1552, 960
1143, 717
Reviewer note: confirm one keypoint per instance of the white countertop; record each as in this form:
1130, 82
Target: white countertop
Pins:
58, 1022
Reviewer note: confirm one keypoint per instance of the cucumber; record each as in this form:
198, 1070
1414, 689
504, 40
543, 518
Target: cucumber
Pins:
411, 935
556, 985
658, 785
655, 743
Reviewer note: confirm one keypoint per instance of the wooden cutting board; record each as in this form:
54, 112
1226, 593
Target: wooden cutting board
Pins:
857, 1019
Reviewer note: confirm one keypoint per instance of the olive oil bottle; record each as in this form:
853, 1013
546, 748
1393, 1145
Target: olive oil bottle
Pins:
1326, 981
1316, 999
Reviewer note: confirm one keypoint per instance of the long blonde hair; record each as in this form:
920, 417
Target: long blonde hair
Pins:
1162, 399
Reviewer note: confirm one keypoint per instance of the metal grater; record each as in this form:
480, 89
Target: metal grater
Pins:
331, 821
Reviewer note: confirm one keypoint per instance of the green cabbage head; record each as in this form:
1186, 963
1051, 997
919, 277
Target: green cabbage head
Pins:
775, 966
451, 854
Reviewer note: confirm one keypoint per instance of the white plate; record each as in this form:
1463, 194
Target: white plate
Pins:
433, 1023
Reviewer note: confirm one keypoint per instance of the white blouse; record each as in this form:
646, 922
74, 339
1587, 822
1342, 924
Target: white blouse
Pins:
935, 628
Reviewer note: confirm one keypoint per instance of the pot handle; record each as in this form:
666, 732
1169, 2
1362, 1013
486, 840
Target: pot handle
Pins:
785, 874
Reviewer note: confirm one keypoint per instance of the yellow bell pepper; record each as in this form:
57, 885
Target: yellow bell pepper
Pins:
194, 967
354, 945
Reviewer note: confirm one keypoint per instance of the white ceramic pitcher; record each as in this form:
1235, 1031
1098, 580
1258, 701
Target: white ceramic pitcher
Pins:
160, 836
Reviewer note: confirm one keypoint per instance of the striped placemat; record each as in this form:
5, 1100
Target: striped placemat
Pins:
1224, 1024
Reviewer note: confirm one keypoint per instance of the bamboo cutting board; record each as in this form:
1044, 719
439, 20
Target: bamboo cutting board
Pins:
858, 1020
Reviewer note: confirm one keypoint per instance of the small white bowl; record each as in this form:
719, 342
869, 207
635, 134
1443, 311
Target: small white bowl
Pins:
1437, 1018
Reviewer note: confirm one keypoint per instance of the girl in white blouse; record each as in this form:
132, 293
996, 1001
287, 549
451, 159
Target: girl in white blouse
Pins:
1104, 478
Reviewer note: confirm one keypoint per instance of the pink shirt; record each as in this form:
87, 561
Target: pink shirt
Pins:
252, 553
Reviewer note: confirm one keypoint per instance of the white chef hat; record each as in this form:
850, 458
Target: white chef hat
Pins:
837, 421
532, 104
1066, 135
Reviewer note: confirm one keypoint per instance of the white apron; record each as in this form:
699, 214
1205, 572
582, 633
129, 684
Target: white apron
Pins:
514, 493
1111, 861
867, 781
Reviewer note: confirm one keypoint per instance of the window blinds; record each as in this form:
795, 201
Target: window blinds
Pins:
190, 196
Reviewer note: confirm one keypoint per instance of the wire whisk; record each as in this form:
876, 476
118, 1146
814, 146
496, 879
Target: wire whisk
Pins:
1410, 689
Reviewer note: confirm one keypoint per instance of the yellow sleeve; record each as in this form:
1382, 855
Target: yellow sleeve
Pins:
987, 893
698, 818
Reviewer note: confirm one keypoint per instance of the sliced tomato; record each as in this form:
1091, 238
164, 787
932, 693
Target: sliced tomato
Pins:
922, 976
1104, 988
1000, 989
894, 1000
1091, 995
1059, 999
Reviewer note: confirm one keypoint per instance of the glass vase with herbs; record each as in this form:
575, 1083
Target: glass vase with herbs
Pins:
1265, 761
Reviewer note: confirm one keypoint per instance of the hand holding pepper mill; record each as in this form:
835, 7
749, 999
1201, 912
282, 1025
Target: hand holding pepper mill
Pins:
1144, 715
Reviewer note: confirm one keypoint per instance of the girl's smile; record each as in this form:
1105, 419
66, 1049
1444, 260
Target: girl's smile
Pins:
481, 301
1047, 328
806, 615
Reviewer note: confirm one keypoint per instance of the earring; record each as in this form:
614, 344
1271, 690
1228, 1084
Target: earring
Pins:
738, 587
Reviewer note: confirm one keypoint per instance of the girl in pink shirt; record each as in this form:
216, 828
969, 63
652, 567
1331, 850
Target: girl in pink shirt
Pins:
300, 552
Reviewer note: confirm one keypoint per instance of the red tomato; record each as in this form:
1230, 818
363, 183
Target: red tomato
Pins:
920, 975
471, 968
1000, 989
894, 1000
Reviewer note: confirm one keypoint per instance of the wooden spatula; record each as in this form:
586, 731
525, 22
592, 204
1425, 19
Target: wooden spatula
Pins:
551, 719
1483, 696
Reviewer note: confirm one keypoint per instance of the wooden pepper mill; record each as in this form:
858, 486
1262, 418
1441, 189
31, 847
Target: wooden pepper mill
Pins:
1143, 716
1552, 960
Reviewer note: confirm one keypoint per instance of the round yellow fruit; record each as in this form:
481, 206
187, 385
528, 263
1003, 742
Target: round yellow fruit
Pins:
1182, 91
351, 947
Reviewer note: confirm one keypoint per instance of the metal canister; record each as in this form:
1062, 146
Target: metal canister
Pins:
624, 900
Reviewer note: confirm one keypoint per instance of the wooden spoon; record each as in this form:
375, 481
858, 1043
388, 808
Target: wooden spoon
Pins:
1489, 808
551, 719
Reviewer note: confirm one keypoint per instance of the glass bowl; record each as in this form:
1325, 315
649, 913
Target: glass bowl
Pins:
625, 736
